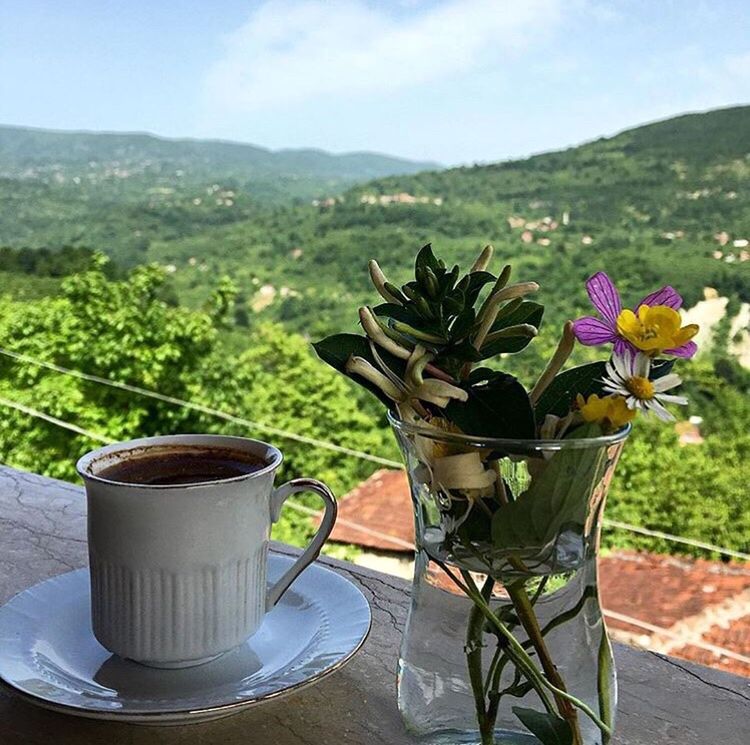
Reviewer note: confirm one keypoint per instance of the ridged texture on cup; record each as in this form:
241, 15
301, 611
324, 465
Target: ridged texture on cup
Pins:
165, 616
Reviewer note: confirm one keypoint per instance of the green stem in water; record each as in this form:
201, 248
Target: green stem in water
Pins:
604, 682
520, 656
494, 694
515, 651
528, 620
498, 663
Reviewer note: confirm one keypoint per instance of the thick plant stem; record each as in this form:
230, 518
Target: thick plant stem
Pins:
515, 651
527, 617
474, 646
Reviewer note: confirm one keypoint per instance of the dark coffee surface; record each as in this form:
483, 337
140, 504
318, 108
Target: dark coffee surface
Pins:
160, 466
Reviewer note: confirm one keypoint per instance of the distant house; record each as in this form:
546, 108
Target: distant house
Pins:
400, 198
689, 432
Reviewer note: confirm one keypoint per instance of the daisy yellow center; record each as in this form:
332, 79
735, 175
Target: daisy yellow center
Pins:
641, 388
654, 329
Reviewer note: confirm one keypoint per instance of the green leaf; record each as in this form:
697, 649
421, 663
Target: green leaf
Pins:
477, 280
462, 323
412, 290
426, 259
476, 528
660, 368
527, 312
549, 728
448, 280
498, 406
562, 391
556, 497
406, 314
336, 350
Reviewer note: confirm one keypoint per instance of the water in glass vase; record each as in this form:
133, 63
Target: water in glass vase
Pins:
435, 692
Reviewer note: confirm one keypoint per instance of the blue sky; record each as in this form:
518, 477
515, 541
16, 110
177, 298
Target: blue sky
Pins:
455, 81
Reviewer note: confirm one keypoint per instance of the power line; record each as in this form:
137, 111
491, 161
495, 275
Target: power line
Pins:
676, 539
108, 440
203, 409
326, 445
54, 420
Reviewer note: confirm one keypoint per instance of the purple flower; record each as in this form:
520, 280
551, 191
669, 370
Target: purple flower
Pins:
592, 331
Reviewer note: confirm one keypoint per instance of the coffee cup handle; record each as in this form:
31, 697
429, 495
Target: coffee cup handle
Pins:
278, 497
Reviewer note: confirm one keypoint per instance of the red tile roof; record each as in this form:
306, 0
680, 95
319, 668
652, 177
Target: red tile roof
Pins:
736, 638
666, 589
382, 505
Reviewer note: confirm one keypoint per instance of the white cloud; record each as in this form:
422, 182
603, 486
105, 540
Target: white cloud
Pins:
291, 51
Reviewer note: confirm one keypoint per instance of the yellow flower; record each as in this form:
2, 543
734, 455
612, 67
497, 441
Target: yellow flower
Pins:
609, 411
654, 329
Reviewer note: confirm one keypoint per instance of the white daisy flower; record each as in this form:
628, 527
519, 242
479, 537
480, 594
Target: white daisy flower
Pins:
628, 376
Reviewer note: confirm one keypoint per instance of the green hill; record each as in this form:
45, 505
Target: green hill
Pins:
657, 166
646, 205
39, 153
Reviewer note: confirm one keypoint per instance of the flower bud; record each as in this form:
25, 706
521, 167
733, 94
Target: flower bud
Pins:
483, 259
525, 330
360, 366
395, 292
379, 280
424, 308
425, 336
373, 329
503, 278
489, 312
433, 287
438, 392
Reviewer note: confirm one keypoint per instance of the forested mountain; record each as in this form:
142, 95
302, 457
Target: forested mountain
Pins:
119, 191
667, 203
683, 172
36, 153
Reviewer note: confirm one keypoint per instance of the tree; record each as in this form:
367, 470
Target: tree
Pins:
125, 331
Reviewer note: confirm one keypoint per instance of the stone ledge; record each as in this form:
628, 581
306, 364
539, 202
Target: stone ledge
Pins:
663, 701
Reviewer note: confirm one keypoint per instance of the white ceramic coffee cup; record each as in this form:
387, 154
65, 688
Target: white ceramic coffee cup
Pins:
178, 572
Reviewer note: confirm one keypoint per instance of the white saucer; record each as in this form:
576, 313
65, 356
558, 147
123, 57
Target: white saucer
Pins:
48, 653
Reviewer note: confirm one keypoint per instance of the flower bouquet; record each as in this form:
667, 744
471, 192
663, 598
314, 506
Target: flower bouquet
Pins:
505, 640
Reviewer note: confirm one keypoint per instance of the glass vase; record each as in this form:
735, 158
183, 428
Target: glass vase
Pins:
505, 640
